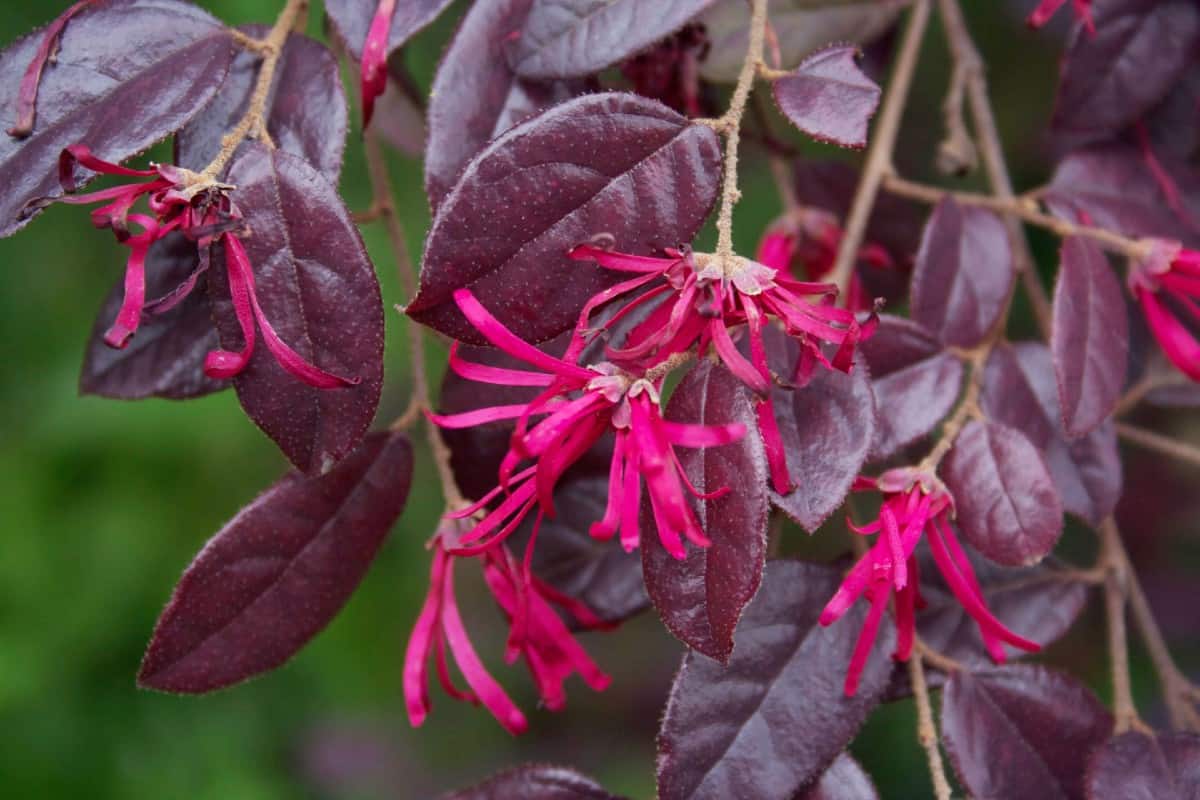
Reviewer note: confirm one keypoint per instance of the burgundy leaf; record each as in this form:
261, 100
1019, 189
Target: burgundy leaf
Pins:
844, 780
350, 20
1090, 337
1136, 766
1006, 502
1019, 390
611, 163
915, 383
166, 358
827, 428
111, 58
535, 782
1022, 731
1112, 187
767, 724
801, 27
702, 597
305, 113
964, 274
576, 38
829, 98
318, 290
476, 96
277, 574
1114, 76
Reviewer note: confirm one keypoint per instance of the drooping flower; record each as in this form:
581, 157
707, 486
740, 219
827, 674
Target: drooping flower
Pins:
1167, 285
374, 58
28, 92
537, 635
915, 504
704, 297
576, 408
1048, 8
203, 211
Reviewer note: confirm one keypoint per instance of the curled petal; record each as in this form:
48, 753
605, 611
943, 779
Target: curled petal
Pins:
494, 331
482, 373
1177, 341
621, 261
28, 92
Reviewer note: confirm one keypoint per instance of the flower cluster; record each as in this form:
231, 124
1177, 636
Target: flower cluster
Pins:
180, 201
1167, 285
915, 505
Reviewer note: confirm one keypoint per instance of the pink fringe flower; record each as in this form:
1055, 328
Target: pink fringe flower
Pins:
914, 504
537, 634
1166, 284
577, 407
703, 301
1048, 8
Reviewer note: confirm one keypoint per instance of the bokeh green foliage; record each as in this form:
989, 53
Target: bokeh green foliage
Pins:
104, 503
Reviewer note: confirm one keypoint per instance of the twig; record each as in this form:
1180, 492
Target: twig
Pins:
936, 658
1153, 380
966, 58
926, 730
730, 124
1159, 443
883, 143
957, 154
1116, 587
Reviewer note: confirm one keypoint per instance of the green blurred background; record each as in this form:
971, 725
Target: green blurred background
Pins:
104, 503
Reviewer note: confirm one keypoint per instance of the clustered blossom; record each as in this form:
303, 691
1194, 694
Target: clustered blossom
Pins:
203, 212
703, 297
915, 505
1048, 8
1167, 285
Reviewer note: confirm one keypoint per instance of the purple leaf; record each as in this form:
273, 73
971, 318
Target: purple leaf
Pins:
1135, 766
915, 382
964, 274
318, 289
166, 358
535, 782
476, 96
306, 109
1139, 50
576, 38
829, 98
827, 429
768, 724
702, 597
277, 574
128, 73
1006, 502
350, 20
1019, 390
800, 27
1021, 731
1090, 337
844, 780
610, 163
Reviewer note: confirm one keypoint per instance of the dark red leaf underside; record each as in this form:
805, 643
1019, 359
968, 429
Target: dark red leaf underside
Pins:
829, 98
535, 782
1090, 337
277, 574
1006, 502
844, 780
351, 19
476, 96
609, 163
111, 58
1135, 766
771, 721
306, 110
1111, 78
319, 291
701, 598
166, 358
1020, 391
1022, 731
963, 275
576, 38
915, 382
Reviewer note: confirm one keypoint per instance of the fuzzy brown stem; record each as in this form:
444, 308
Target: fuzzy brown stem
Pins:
927, 733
